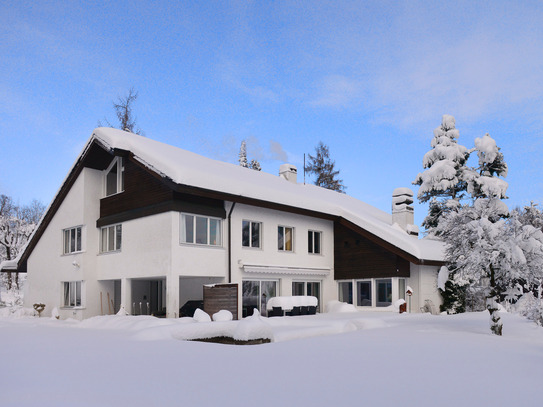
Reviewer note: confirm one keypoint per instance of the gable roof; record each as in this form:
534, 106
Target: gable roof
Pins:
190, 170
193, 170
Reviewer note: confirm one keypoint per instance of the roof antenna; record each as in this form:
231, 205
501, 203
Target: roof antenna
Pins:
304, 168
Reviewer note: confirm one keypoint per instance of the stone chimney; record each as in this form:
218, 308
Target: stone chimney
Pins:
289, 172
402, 211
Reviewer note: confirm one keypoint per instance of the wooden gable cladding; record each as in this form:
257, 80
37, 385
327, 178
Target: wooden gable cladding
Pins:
146, 194
357, 256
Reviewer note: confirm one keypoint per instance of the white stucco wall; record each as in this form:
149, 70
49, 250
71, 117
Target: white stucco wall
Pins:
145, 250
423, 281
269, 255
48, 266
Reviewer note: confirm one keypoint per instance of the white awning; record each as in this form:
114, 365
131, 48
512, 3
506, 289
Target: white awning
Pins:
306, 271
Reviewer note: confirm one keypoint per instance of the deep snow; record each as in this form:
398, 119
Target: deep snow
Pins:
321, 360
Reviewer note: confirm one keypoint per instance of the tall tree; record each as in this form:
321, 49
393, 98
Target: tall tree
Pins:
322, 166
16, 225
480, 245
444, 180
124, 112
242, 158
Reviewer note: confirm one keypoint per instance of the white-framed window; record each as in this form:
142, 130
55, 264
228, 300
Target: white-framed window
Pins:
314, 239
345, 291
285, 238
71, 240
72, 294
200, 230
250, 234
312, 288
384, 292
111, 238
364, 289
114, 177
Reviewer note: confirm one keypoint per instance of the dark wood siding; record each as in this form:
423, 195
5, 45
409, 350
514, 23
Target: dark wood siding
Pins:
358, 257
146, 195
221, 296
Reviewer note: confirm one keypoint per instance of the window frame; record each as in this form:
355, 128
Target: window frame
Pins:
67, 240
117, 243
251, 224
311, 241
281, 246
183, 236
371, 282
349, 292
73, 290
119, 161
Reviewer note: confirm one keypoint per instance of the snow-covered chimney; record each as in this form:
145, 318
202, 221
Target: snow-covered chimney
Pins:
289, 172
402, 211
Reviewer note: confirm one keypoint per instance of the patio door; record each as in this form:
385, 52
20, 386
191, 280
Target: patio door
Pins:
255, 294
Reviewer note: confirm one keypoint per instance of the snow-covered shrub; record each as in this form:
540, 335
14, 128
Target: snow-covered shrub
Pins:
530, 307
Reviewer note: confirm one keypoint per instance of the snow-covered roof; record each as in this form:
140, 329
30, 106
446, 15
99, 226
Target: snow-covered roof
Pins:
187, 168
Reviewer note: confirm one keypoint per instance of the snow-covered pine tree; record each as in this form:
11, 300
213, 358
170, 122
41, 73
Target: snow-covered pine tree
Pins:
242, 156
484, 182
480, 245
255, 165
526, 228
444, 180
323, 167
477, 246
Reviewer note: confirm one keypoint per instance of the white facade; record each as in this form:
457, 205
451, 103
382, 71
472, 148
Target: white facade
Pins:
155, 262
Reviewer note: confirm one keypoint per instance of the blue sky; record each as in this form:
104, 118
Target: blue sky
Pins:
370, 79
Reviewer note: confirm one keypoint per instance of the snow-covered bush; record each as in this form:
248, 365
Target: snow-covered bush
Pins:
530, 307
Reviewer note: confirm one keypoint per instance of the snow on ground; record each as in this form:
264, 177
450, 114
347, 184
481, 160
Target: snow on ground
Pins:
319, 360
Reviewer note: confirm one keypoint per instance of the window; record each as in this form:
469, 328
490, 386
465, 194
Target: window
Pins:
256, 294
384, 292
114, 178
111, 238
284, 238
72, 240
200, 230
250, 234
314, 242
72, 294
312, 288
345, 293
363, 293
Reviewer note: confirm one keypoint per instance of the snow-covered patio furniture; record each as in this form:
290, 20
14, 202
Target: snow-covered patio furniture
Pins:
292, 305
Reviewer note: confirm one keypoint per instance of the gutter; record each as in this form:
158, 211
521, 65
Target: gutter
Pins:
229, 217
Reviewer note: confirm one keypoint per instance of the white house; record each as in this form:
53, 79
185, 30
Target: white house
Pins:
145, 225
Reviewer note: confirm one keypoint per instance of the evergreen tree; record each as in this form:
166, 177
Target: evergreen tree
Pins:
444, 180
484, 182
255, 165
242, 156
323, 167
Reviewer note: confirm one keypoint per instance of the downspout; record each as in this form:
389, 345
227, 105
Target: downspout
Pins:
230, 242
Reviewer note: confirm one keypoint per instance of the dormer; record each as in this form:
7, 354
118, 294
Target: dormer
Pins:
114, 177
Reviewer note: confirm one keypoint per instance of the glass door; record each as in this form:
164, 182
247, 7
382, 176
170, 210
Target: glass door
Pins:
255, 294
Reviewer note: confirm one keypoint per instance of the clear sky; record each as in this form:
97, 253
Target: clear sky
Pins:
370, 79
